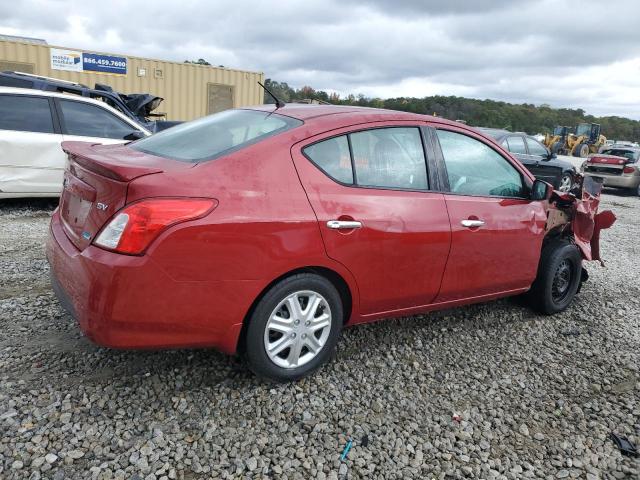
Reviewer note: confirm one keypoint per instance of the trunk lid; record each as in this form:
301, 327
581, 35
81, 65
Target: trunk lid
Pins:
603, 159
607, 164
95, 185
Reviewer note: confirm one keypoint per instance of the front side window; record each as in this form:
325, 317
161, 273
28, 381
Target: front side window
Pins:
383, 158
215, 135
86, 120
516, 144
25, 114
536, 148
474, 168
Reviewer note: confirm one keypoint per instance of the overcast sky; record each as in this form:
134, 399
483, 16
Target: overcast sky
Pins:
564, 53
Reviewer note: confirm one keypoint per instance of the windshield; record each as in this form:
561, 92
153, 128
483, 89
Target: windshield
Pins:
558, 131
216, 135
630, 154
584, 129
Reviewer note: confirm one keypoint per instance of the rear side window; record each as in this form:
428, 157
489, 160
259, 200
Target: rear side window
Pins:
474, 168
87, 120
516, 145
25, 114
383, 158
216, 135
332, 156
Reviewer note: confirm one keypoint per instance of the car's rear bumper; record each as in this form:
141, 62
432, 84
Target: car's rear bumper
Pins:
125, 301
621, 181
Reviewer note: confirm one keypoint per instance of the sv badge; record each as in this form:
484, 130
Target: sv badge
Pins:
102, 206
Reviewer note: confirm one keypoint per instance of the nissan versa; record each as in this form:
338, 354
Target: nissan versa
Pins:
265, 231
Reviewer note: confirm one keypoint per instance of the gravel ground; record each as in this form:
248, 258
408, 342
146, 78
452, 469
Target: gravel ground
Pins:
488, 391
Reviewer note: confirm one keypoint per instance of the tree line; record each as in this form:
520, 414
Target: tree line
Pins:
480, 113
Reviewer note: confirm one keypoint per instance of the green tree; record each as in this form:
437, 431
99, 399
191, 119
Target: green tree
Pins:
480, 113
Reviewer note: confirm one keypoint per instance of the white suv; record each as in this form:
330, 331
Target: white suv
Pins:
33, 124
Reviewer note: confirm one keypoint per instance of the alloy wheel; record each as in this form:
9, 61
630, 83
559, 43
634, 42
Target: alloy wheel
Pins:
565, 183
297, 329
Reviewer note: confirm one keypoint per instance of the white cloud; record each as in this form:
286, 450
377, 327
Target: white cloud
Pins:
530, 51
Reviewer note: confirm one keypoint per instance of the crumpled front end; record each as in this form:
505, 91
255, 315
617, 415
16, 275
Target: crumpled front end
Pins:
576, 214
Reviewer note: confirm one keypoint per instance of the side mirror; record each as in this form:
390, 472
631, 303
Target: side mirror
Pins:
541, 190
135, 135
551, 156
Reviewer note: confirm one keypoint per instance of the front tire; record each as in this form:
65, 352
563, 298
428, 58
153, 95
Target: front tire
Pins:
558, 279
582, 151
294, 328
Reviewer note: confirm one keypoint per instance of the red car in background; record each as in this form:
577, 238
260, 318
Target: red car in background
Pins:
265, 231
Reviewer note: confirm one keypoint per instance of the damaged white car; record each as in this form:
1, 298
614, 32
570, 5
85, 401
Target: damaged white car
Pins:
33, 124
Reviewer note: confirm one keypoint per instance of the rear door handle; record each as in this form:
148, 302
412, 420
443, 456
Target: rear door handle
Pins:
472, 223
343, 224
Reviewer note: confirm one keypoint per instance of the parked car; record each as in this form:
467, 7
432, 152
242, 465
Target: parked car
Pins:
536, 157
34, 123
618, 166
265, 231
139, 107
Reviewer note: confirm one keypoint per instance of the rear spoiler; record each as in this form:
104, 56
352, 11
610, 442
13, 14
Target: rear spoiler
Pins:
109, 160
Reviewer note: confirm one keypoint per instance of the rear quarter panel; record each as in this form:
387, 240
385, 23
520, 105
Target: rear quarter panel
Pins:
262, 228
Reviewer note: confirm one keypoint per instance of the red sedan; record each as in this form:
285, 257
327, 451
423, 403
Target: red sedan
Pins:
265, 232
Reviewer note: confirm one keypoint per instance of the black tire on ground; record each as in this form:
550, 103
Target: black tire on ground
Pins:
558, 278
556, 147
581, 151
255, 350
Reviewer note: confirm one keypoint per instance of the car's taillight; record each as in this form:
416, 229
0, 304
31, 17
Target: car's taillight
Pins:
133, 229
628, 169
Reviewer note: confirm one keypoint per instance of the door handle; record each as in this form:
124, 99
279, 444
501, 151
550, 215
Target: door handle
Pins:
343, 224
472, 223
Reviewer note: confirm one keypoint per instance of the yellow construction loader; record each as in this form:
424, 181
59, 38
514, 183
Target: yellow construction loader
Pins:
556, 142
586, 139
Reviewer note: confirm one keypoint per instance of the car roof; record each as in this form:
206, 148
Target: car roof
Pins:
46, 93
497, 133
78, 98
344, 115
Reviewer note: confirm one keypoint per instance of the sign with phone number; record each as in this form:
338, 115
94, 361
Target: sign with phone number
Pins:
74, 61
93, 62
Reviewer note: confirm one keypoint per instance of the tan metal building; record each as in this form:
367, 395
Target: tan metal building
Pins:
189, 91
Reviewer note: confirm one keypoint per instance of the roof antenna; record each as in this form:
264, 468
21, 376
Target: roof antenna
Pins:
279, 103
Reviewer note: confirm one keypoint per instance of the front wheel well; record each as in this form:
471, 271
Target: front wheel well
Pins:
335, 278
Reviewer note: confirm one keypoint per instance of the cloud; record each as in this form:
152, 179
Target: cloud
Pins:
530, 51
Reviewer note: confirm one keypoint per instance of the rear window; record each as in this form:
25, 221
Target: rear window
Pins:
216, 135
620, 152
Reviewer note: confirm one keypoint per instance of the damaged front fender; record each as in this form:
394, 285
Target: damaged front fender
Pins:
577, 215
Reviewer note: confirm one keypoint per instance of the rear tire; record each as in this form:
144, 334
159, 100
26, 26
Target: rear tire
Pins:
558, 279
556, 148
286, 339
